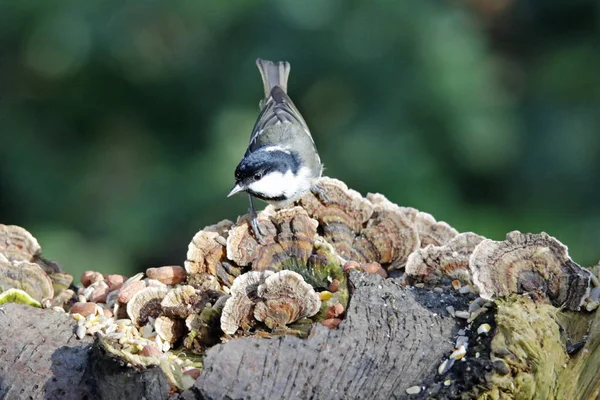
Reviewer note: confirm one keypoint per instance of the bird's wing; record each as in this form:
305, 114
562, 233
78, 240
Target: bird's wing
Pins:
277, 109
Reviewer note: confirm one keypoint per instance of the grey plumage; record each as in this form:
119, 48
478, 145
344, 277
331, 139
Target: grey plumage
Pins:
279, 122
282, 162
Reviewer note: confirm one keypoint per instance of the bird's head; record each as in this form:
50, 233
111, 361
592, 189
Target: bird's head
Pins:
270, 173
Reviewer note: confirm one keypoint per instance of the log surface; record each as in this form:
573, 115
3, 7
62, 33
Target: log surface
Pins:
40, 356
393, 338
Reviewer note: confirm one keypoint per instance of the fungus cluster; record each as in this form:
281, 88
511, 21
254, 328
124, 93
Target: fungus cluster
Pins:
25, 276
233, 286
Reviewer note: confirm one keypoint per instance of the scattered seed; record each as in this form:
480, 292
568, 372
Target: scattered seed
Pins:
325, 295
413, 390
477, 313
456, 284
483, 329
80, 333
462, 314
438, 289
135, 278
458, 353
447, 382
420, 285
464, 290
462, 341
591, 305
450, 310
445, 366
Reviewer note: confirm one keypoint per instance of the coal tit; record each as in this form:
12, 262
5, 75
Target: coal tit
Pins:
282, 162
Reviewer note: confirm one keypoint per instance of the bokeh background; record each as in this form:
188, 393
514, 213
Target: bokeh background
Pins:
121, 122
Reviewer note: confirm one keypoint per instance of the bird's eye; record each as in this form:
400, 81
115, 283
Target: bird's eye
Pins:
258, 176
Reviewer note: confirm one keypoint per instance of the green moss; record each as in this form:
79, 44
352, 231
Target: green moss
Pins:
529, 337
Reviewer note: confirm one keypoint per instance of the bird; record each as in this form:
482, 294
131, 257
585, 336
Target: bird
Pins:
282, 162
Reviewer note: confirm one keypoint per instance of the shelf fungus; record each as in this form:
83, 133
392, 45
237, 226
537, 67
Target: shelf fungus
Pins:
390, 235
146, 304
276, 299
26, 276
433, 232
206, 255
341, 213
17, 244
285, 298
537, 264
432, 263
177, 303
288, 240
169, 329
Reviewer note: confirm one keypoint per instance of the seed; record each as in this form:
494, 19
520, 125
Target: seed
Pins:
170, 275
331, 323
450, 310
462, 314
334, 286
459, 353
483, 329
464, 290
462, 341
80, 333
85, 309
413, 390
456, 284
445, 366
89, 277
326, 295
477, 313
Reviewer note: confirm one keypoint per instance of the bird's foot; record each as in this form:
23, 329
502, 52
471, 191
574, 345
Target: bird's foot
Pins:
256, 229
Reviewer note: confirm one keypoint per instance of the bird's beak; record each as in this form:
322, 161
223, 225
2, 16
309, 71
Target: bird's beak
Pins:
237, 188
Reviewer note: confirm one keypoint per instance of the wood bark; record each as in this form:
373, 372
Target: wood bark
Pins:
393, 338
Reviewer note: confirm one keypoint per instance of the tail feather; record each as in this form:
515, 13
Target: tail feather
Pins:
273, 74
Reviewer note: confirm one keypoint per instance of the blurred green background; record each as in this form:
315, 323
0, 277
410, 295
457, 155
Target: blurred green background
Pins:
122, 122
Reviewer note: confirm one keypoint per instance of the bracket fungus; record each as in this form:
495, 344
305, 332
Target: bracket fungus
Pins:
237, 311
26, 276
206, 254
433, 232
341, 213
529, 263
285, 299
146, 304
392, 232
17, 244
431, 263
275, 298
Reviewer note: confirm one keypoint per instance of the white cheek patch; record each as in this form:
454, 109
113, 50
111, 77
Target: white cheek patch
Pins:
274, 184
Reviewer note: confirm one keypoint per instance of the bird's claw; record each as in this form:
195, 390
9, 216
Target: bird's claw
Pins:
256, 230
